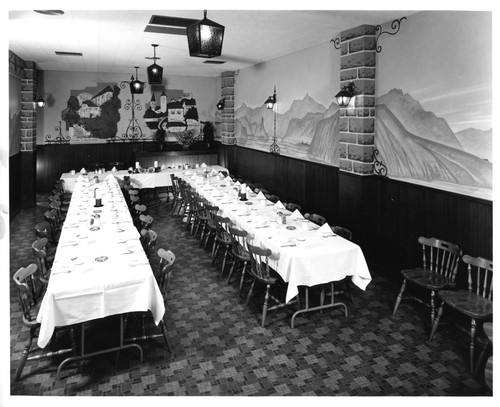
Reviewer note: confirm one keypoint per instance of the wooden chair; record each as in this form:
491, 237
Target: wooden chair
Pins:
44, 229
200, 216
222, 240
177, 196
43, 261
211, 228
148, 240
315, 218
138, 210
51, 218
292, 206
167, 260
258, 189
475, 303
438, 271
30, 297
146, 221
239, 253
341, 231
262, 273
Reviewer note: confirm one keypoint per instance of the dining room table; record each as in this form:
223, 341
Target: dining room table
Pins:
306, 254
100, 268
141, 178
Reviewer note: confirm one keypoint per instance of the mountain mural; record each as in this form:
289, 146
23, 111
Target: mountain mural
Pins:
409, 156
414, 144
477, 142
417, 120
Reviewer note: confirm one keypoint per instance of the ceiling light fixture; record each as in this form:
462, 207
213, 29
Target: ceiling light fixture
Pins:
345, 95
155, 71
205, 38
136, 86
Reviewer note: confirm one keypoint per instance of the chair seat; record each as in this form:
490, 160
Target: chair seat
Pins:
426, 278
473, 305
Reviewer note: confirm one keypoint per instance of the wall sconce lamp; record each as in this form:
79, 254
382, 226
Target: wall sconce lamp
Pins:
271, 100
136, 86
155, 71
205, 38
40, 102
220, 104
345, 95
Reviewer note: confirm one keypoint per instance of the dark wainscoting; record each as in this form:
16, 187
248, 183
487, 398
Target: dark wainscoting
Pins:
54, 159
386, 216
14, 185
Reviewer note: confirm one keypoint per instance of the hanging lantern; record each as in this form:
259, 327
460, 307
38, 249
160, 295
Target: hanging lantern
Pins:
205, 38
155, 71
136, 86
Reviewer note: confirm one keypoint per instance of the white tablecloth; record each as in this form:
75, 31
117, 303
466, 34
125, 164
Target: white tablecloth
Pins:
141, 180
311, 261
100, 269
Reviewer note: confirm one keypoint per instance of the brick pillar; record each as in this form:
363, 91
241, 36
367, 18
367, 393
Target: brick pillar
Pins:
227, 116
28, 135
357, 122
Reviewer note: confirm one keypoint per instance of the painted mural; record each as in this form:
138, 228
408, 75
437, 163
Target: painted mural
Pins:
433, 104
175, 120
92, 114
307, 130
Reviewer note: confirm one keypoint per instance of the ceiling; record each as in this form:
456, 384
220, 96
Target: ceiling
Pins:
114, 41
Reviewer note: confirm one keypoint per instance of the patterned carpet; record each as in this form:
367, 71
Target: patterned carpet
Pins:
219, 348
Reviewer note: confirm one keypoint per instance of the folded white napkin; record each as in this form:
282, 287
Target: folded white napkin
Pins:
228, 178
214, 171
296, 215
163, 166
237, 183
113, 169
82, 171
203, 165
260, 195
325, 229
188, 173
279, 205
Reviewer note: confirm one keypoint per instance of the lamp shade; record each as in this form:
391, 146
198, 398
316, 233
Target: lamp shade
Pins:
205, 38
155, 71
271, 100
40, 102
136, 86
345, 95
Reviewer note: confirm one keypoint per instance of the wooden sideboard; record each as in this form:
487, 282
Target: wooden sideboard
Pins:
176, 158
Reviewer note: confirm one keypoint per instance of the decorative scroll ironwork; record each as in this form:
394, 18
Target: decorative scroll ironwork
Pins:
395, 25
336, 42
274, 147
134, 130
59, 139
378, 166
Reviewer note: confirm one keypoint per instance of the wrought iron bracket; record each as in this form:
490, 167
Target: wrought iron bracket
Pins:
59, 139
378, 166
395, 26
336, 42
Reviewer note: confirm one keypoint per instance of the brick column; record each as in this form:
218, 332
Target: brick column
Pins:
28, 110
227, 116
28, 136
357, 122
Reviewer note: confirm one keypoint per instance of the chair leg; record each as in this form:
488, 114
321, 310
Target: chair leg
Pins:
472, 343
433, 307
400, 296
215, 252
436, 322
164, 332
250, 293
231, 271
25, 354
224, 260
242, 279
264, 307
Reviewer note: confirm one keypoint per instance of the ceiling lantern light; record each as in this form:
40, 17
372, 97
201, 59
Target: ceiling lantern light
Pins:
136, 86
205, 38
155, 71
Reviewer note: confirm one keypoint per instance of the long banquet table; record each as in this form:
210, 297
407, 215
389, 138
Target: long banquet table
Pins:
100, 268
307, 256
140, 180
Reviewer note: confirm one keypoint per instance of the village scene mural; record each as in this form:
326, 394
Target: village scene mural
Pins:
92, 115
